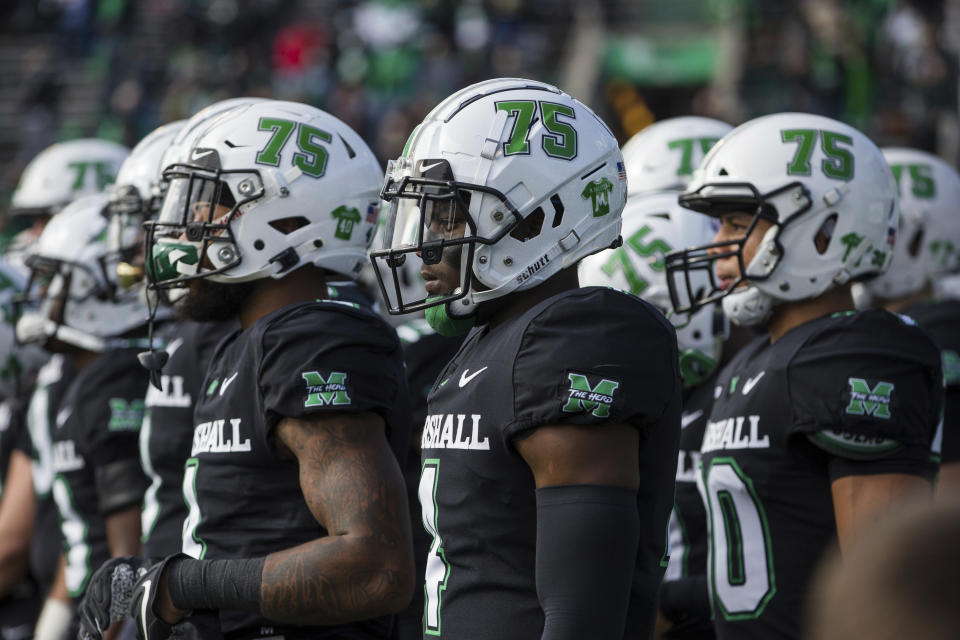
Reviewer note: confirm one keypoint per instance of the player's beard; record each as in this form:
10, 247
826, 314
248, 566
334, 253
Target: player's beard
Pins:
214, 301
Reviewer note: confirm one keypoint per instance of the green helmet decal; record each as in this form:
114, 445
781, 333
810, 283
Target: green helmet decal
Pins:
166, 258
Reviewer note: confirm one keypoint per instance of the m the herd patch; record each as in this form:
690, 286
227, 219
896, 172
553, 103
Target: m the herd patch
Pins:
589, 395
329, 390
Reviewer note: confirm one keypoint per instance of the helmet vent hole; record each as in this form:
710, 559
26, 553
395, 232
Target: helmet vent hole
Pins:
722, 172
258, 244
557, 209
916, 243
696, 335
529, 227
350, 151
287, 226
825, 234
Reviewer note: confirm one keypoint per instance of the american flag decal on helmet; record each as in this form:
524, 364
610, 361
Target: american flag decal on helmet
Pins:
373, 212
621, 172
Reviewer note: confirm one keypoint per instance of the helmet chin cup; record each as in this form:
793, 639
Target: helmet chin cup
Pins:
748, 307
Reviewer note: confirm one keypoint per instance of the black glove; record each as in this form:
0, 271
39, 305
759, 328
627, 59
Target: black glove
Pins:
149, 625
107, 598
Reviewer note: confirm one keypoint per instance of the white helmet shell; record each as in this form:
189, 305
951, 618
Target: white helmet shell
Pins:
302, 186
545, 183
664, 155
64, 171
137, 186
812, 177
72, 254
928, 238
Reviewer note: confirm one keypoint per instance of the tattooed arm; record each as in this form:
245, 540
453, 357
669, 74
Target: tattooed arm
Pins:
353, 486
362, 568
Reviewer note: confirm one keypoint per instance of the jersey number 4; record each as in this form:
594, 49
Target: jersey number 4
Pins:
438, 569
741, 554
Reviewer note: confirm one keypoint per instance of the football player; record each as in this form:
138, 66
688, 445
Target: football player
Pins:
97, 484
297, 514
826, 421
928, 248
550, 442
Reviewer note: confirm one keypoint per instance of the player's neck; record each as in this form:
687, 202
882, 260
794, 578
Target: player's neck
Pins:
789, 315
897, 305
515, 304
303, 285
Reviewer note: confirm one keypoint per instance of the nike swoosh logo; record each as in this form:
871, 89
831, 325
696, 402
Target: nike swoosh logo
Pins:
687, 418
426, 167
465, 379
175, 344
143, 608
201, 154
752, 382
228, 382
63, 415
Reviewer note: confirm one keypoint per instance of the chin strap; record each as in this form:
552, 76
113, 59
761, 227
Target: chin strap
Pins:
153, 360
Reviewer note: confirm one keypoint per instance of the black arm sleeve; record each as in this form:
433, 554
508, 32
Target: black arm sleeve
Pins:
587, 541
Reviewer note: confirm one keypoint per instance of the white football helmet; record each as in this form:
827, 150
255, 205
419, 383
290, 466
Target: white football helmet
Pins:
290, 185
928, 238
65, 171
654, 225
18, 362
73, 283
664, 155
810, 176
532, 179
134, 198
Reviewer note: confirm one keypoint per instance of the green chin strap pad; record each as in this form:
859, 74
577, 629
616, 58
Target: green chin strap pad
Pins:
167, 255
446, 325
695, 367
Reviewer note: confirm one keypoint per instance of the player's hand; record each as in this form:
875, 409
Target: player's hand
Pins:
151, 600
107, 598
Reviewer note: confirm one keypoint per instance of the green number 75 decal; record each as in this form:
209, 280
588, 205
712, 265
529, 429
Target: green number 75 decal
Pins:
558, 141
838, 163
311, 157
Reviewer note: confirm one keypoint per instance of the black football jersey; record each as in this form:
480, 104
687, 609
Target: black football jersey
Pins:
685, 577
53, 380
942, 321
243, 494
590, 356
425, 354
97, 424
851, 393
167, 432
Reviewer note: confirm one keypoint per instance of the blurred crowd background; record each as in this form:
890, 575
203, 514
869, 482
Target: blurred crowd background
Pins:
119, 68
